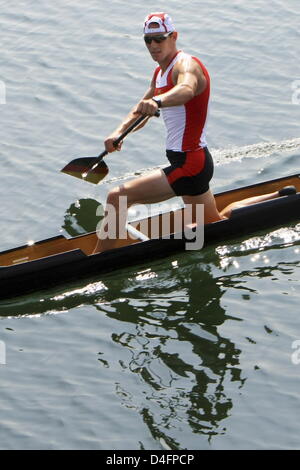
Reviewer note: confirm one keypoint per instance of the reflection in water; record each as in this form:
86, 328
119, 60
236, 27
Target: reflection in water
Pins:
173, 363
167, 332
177, 352
81, 217
185, 366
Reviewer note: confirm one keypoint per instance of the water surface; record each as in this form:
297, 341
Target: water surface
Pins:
190, 352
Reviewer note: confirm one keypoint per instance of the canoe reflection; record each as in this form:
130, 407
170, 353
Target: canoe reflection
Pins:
175, 348
173, 365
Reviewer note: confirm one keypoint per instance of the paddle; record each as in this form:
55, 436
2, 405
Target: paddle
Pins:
94, 169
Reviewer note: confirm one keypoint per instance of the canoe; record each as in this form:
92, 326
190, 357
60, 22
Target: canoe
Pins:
59, 259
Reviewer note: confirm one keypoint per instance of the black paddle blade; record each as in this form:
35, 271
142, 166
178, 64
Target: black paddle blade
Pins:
81, 168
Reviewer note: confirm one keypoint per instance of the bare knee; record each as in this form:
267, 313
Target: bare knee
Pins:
122, 197
116, 197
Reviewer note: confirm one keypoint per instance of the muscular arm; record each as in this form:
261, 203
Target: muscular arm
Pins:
189, 82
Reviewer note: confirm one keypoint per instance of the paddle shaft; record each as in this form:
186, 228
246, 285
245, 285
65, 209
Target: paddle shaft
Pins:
120, 138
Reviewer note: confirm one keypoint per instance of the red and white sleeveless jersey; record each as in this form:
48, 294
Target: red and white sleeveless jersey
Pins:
185, 123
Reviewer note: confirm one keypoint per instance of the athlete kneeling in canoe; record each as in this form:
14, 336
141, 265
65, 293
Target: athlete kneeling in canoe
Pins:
180, 86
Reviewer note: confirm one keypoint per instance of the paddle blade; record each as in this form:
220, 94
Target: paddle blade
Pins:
81, 168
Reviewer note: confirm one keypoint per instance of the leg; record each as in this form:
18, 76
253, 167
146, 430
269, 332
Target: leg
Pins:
211, 213
226, 212
147, 189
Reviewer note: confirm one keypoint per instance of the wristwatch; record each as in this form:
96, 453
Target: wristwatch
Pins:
157, 100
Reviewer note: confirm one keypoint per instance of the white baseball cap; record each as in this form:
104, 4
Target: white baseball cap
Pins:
164, 21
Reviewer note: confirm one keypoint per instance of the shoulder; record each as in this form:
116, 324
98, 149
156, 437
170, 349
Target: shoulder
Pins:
188, 64
189, 70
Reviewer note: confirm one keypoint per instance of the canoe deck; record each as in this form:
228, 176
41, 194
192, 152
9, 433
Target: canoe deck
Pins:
57, 259
87, 242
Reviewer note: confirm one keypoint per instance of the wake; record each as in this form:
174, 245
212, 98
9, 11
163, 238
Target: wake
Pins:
260, 150
229, 155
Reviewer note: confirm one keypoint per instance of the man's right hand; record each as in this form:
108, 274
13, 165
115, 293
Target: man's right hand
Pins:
110, 144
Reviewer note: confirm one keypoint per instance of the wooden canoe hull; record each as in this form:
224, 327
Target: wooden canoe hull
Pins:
57, 260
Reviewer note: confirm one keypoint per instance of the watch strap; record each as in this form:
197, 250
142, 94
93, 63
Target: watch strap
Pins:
157, 101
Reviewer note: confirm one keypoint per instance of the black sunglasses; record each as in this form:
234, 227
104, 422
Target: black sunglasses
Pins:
157, 39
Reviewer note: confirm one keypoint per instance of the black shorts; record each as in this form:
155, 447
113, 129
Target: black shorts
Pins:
190, 172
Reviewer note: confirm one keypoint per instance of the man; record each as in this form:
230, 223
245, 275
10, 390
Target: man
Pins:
180, 87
